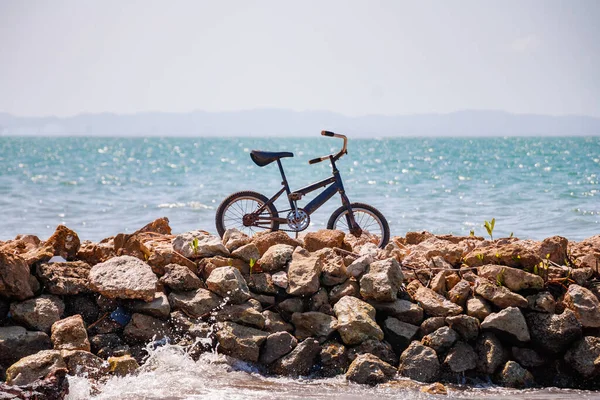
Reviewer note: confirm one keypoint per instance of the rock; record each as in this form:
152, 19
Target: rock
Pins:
460, 293
300, 361
85, 364
528, 358
159, 307
234, 239
320, 302
356, 321
70, 334
266, 240
542, 302
16, 342
323, 238
467, 327
124, 277
382, 281
205, 246
247, 252
159, 252
194, 327
515, 376
144, 328
313, 324
552, 332
38, 313
68, 278
334, 270
289, 306
240, 341
582, 275
14, 277
508, 323
431, 324
4, 308
277, 345
334, 358
274, 322
179, 278
584, 357
491, 354
263, 299
369, 369
434, 388
229, 283
399, 334
64, 242
499, 295
434, 304
96, 253
478, 307
515, 254
403, 310
29, 248
275, 258
195, 304
554, 249
303, 273
122, 365
441, 340
584, 304
54, 386
208, 265
461, 358
514, 279
419, 362
383, 350
36, 366
348, 288
360, 265
249, 313
438, 283
262, 283
280, 279
108, 344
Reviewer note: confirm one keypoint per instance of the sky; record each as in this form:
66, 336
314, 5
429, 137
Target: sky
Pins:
352, 57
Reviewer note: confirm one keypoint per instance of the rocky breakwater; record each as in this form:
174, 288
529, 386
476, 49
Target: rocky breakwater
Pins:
431, 308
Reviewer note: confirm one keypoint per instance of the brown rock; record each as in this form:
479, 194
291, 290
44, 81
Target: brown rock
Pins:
38, 313
419, 362
509, 323
431, 324
553, 333
247, 252
460, 293
584, 304
16, 342
65, 278
554, 249
122, 365
70, 334
159, 307
303, 273
356, 321
348, 288
124, 277
240, 341
584, 357
95, 253
85, 364
276, 257
499, 295
144, 328
515, 376
334, 270
461, 358
334, 358
277, 345
229, 283
274, 322
262, 283
313, 324
467, 327
233, 239
516, 254
513, 278
208, 265
441, 340
160, 253
14, 277
382, 281
381, 349
180, 278
399, 334
542, 302
528, 358
491, 353
265, 240
206, 245
432, 303
478, 307
299, 361
428, 249
323, 238
195, 304
249, 313
36, 366
64, 242
369, 369
29, 248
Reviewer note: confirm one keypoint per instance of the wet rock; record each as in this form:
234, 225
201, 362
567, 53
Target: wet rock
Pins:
382, 281
478, 307
85, 364
144, 328
348, 288
431, 324
303, 273
528, 358
515, 376
36, 366
323, 238
266, 240
334, 358
38, 313
542, 302
369, 369
195, 304
381, 349
96, 253
553, 332
16, 342
68, 278
499, 295
122, 365
54, 386
70, 334
159, 307
441, 340
403, 310
180, 278
300, 361
434, 388
249, 313
276, 258
491, 353
467, 327
206, 245
360, 265
229, 283
461, 358
434, 304
313, 324
274, 322
233, 239
64, 242
509, 323
108, 344
247, 252
262, 283
419, 362
277, 345
240, 341
14, 277
124, 277
399, 334
584, 304
356, 321
513, 278
334, 270
280, 279
584, 357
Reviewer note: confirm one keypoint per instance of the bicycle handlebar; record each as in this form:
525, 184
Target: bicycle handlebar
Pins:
336, 156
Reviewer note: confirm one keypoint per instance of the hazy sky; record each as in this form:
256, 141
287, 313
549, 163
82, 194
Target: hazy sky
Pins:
353, 57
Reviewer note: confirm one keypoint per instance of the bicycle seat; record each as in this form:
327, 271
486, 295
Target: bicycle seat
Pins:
262, 158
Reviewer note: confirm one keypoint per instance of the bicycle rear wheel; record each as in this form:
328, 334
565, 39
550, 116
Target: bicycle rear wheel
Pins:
232, 210
370, 220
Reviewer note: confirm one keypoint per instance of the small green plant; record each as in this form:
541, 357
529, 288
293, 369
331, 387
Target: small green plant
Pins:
194, 245
252, 263
489, 227
479, 257
500, 279
511, 235
472, 232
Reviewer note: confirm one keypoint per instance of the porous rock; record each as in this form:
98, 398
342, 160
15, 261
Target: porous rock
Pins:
65, 278
553, 332
399, 334
303, 273
266, 240
513, 278
584, 304
64, 242
403, 310
14, 277
144, 328
124, 277
70, 334
467, 327
500, 296
382, 281
34, 367
381, 349
38, 313
333, 270
441, 340
461, 358
369, 369
584, 357
433, 304
419, 362
275, 258
515, 376
356, 321
478, 307
16, 342
159, 307
348, 288
323, 238
233, 239
195, 304
240, 341
491, 353
246, 252
229, 283
180, 278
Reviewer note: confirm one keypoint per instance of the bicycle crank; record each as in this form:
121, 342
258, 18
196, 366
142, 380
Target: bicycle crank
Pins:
298, 220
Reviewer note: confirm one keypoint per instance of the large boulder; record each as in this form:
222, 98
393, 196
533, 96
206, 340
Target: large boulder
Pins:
265, 240
299, 361
313, 324
14, 277
369, 369
196, 304
434, 304
356, 321
500, 296
65, 278
382, 281
419, 362
70, 334
461, 358
491, 353
323, 238
304, 272
508, 323
144, 328
553, 332
584, 357
229, 283
180, 278
515, 376
584, 304
513, 278
34, 367
275, 258
38, 313
277, 345
240, 341
399, 334
16, 342
403, 310
124, 277
64, 242
199, 244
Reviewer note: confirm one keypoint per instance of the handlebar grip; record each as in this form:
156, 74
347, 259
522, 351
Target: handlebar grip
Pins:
327, 133
315, 160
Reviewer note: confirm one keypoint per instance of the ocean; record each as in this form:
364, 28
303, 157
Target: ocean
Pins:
533, 187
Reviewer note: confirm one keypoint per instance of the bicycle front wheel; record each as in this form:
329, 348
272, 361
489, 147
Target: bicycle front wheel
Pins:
239, 211
370, 220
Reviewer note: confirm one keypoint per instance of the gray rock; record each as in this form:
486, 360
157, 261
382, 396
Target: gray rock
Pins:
334, 358
553, 332
274, 322
303, 273
180, 278
513, 278
500, 296
320, 302
262, 283
249, 313
431, 324
29, 369
356, 321
542, 302
240, 341
313, 324
509, 323
434, 304
461, 358
441, 340
124, 277
229, 283
399, 334
420, 363
478, 307
491, 353
16, 342
360, 265
382, 281
369, 369
233, 239
348, 288
515, 376
528, 358
584, 357
247, 252
159, 307
195, 304
289, 306
334, 270
403, 310
207, 245
277, 345
276, 257
38, 313
263, 299
65, 278
280, 279
584, 304
381, 349
300, 361
144, 328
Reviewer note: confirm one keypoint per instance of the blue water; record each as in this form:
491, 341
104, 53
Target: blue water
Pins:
534, 187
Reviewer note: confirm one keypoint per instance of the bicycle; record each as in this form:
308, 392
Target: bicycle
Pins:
249, 211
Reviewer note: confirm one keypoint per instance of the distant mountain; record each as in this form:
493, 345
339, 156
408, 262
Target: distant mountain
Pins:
274, 122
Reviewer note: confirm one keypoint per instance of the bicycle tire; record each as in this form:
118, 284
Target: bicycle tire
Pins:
238, 197
357, 208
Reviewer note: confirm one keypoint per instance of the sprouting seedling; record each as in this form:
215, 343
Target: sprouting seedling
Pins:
194, 245
511, 235
500, 279
252, 263
479, 257
489, 227
472, 232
